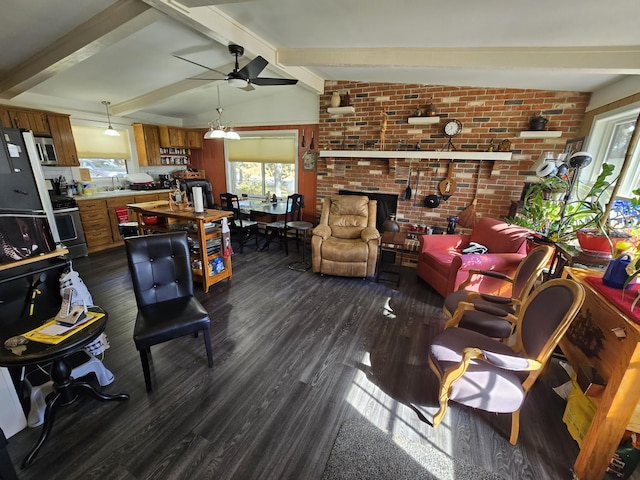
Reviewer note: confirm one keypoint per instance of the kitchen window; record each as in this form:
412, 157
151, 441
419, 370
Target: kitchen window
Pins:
261, 163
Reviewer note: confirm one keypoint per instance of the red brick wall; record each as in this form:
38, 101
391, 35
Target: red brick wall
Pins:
486, 114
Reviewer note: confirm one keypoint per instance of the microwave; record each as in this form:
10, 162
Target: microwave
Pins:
46, 150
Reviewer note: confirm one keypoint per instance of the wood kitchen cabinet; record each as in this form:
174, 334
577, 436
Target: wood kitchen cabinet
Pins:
63, 141
194, 138
173, 137
147, 144
34, 120
96, 224
100, 221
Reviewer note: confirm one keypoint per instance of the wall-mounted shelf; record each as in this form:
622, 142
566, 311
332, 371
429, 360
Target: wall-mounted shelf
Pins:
540, 134
426, 154
341, 110
423, 120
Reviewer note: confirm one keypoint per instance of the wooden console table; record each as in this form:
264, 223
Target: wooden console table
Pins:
199, 220
604, 337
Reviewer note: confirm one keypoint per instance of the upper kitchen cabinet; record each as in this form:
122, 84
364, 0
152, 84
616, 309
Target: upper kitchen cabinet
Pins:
60, 128
194, 137
27, 119
176, 137
147, 144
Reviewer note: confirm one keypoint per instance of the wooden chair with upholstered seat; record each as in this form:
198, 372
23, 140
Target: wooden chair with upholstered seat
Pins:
484, 373
163, 285
495, 315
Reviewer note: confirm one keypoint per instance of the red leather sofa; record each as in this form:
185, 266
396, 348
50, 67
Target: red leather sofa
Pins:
442, 264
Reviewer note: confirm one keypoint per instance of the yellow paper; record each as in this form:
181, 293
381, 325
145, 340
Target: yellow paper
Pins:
36, 336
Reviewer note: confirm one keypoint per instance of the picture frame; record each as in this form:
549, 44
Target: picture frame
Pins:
309, 161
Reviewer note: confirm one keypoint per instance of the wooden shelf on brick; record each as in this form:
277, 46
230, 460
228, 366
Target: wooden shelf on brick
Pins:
423, 120
540, 134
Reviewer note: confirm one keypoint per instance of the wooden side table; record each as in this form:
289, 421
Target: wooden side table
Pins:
390, 244
567, 255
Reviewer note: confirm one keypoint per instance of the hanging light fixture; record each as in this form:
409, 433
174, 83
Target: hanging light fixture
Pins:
217, 130
112, 132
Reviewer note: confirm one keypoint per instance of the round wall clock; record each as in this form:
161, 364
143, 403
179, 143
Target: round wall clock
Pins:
452, 128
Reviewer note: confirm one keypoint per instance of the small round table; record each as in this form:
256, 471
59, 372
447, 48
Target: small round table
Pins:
302, 266
66, 389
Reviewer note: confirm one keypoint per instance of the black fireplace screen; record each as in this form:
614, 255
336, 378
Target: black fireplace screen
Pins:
387, 204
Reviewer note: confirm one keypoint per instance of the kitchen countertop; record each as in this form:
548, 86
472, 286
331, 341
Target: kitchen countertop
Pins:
118, 193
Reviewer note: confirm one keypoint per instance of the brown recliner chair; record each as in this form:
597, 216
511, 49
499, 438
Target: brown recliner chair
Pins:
345, 242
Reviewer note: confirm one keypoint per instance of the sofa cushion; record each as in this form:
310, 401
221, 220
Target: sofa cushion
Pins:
499, 237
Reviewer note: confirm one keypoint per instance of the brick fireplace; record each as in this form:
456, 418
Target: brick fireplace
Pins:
488, 116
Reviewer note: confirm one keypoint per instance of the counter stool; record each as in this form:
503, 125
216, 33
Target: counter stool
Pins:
298, 226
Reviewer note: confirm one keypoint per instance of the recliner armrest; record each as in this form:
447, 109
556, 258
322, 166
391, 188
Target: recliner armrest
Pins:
369, 233
323, 231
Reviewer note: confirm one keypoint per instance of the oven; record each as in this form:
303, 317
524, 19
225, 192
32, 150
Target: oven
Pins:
70, 230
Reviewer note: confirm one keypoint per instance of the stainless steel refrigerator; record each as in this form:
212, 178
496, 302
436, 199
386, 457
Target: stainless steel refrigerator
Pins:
27, 224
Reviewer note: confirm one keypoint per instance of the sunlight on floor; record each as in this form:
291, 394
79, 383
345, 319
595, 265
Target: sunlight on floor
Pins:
408, 432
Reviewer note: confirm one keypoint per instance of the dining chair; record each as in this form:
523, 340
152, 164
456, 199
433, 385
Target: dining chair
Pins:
493, 315
482, 372
239, 225
292, 219
163, 285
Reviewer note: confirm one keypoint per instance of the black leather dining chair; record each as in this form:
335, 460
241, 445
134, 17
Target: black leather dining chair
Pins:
240, 226
281, 228
163, 285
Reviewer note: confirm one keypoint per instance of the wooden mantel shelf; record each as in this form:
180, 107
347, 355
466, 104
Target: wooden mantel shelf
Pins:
426, 154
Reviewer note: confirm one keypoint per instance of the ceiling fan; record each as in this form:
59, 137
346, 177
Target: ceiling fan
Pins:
246, 76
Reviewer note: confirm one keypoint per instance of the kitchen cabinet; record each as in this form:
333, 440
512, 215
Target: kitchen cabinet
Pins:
63, 141
173, 137
34, 120
100, 221
194, 138
96, 224
147, 144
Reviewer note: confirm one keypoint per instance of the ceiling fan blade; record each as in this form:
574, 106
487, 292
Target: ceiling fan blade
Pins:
202, 66
273, 81
253, 68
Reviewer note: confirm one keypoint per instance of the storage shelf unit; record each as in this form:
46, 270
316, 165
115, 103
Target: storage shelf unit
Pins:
540, 134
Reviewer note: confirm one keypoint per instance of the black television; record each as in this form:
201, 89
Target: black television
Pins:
207, 195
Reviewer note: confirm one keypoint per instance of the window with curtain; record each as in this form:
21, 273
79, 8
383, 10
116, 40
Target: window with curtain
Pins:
103, 155
262, 162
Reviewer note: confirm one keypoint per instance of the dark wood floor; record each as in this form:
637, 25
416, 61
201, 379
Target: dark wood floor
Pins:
296, 354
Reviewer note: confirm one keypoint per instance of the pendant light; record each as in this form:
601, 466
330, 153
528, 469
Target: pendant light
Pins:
112, 132
216, 129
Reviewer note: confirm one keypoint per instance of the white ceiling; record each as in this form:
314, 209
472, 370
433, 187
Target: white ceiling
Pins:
75, 53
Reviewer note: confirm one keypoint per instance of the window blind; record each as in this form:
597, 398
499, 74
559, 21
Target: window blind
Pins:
263, 150
91, 142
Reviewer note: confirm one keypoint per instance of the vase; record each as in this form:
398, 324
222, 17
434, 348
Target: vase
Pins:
390, 224
335, 99
616, 274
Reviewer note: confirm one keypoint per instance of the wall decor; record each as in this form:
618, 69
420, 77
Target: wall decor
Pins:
573, 145
309, 161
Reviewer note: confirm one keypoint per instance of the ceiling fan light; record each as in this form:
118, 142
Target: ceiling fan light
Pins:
238, 82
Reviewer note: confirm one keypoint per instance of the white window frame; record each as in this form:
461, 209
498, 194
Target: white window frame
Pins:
599, 142
230, 172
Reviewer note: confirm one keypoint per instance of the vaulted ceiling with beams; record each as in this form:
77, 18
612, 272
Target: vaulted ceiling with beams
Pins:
74, 53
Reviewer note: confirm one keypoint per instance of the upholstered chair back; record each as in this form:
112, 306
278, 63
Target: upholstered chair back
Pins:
350, 214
